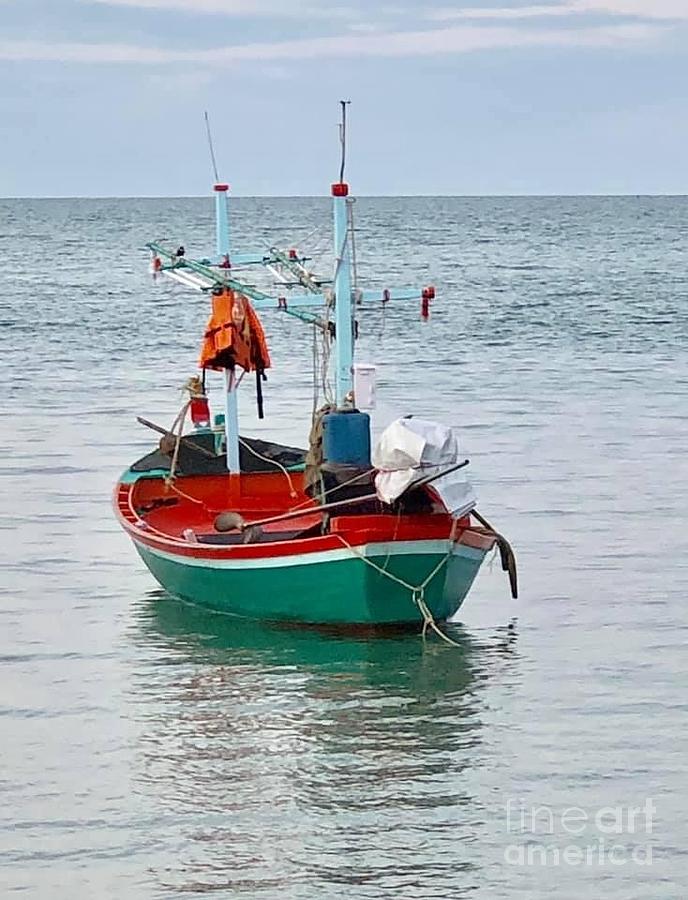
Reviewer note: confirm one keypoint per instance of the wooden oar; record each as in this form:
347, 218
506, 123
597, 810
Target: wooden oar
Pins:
187, 440
429, 478
228, 521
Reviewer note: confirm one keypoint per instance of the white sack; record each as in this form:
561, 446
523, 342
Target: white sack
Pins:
413, 449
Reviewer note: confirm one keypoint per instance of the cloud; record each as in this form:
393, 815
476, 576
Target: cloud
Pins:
644, 9
437, 41
647, 9
184, 85
510, 12
54, 51
365, 27
281, 9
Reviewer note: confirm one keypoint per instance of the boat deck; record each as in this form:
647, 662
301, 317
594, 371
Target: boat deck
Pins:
185, 512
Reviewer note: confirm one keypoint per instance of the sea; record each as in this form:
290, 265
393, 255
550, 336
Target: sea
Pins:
151, 750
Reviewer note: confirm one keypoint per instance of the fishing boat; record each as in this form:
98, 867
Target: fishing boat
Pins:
337, 534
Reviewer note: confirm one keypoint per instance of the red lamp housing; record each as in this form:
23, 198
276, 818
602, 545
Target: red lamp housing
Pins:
200, 412
427, 295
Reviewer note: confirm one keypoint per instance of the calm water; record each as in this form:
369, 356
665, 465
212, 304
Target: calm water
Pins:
152, 751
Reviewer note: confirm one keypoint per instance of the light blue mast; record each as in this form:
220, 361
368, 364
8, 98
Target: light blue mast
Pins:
222, 218
289, 269
344, 340
344, 337
231, 383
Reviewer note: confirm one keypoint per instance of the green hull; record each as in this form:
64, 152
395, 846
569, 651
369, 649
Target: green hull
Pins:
336, 587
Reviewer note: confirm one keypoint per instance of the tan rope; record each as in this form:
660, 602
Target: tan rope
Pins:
337, 487
210, 509
273, 462
179, 424
316, 366
417, 591
194, 387
326, 351
394, 537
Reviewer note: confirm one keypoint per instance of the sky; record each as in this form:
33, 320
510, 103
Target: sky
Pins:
106, 97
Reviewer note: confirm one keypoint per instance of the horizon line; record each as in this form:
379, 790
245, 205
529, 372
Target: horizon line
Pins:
209, 195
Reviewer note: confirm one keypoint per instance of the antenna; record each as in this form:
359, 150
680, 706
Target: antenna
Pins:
342, 138
210, 146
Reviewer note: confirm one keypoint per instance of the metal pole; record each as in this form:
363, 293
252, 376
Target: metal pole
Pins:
222, 218
232, 421
344, 342
231, 385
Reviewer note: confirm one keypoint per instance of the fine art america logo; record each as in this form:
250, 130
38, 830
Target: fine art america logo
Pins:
610, 835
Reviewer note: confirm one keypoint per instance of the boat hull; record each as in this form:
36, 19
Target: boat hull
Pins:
340, 586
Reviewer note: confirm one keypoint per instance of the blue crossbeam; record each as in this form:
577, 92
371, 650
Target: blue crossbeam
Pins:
283, 303
382, 296
249, 258
262, 300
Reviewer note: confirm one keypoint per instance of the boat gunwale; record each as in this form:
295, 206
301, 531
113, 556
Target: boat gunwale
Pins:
340, 553
293, 547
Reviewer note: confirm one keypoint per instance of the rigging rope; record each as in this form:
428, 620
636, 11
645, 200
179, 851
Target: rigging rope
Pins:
326, 352
316, 366
179, 425
272, 462
210, 146
354, 264
342, 138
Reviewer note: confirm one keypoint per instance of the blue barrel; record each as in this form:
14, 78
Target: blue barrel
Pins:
346, 438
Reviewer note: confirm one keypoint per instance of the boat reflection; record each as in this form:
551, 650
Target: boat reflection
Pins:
296, 758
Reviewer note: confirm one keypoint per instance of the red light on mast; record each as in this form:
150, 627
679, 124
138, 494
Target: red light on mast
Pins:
200, 411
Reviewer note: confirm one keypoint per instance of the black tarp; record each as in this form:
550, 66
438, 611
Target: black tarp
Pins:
192, 461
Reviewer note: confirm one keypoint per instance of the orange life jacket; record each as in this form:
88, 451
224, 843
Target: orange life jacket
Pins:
234, 335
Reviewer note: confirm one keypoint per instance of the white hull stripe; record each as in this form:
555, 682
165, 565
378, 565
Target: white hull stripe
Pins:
397, 548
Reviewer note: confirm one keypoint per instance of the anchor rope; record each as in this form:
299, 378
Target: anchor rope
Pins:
417, 591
